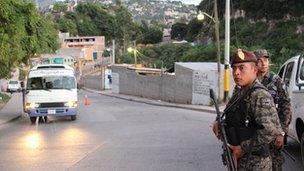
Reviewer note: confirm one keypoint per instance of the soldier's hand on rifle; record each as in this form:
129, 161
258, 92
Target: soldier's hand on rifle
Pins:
279, 142
237, 151
215, 129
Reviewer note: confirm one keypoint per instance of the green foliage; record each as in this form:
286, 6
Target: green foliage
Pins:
126, 29
281, 40
275, 25
106, 53
23, 33
67, 25
195, 30
270, 9
60, 7
200, 53
149, 34
127, 58
179, 31
249, 34
94, 19
165, 55
259, 9
194, 27
86, 27
4, 98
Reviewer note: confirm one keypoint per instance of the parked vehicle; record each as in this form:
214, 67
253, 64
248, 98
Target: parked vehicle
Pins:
13, 86
51, 90
292, 73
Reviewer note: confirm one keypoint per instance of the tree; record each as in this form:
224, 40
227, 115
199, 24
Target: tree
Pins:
194, 28
60, 7
105, 23
149, 33
41, 35
125, 28
67, 25
179, 31
152, 36
23, 33
86, 27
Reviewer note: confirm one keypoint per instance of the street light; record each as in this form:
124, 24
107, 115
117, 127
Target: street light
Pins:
201, 16
134, 50
215, 19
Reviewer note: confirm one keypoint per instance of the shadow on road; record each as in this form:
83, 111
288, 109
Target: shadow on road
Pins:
294, 149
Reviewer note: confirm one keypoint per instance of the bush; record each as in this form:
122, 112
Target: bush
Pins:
165, 55
4, 98
281, 39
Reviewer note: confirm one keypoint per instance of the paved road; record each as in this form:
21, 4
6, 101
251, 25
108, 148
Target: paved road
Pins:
114, 134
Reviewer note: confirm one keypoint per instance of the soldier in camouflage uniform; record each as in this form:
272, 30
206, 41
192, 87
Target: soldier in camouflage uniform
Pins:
275, 87
251, 118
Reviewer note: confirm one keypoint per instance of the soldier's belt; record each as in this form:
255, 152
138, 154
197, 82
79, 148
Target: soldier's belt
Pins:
237, 135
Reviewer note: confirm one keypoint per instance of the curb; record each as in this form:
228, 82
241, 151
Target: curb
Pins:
151, 102
10, 120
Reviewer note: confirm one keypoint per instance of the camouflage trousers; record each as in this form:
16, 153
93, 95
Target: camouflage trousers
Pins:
255, 163
277, 159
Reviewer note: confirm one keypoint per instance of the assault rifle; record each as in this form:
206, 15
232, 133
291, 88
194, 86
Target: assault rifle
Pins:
288, 154
227, 157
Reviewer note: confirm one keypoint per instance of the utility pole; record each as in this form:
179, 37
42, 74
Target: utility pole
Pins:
135, 53
227, 51
218, 51
113, 51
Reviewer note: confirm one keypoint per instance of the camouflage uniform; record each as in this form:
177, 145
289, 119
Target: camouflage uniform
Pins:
281, 98
275, 87
261, 109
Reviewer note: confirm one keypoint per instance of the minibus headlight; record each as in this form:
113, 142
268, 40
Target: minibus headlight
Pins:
31, 105
71, 104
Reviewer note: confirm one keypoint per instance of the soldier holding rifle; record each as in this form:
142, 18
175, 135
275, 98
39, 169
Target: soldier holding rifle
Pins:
251, 119
275, 87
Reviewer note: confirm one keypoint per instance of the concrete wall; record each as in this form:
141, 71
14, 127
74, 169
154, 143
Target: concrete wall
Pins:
169, 88
189, 85
183, 82
95, 82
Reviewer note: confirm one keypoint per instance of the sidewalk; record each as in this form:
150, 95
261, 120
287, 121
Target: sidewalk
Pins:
12, 109
209, 109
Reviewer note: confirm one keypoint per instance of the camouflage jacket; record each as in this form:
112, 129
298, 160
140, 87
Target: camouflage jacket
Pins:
275, 87
262, 108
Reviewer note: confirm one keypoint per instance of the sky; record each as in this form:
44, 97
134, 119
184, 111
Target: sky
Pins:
195, 2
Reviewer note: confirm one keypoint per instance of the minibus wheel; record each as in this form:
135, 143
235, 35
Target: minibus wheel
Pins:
73, 117
45, 119
33, 120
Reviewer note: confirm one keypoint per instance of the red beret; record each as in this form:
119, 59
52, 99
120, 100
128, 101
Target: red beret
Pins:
241, 56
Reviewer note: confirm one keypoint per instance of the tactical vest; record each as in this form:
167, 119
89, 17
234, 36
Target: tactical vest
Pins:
271, 88
240, 122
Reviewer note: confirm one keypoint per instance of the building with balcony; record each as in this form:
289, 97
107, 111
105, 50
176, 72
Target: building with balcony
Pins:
92, 47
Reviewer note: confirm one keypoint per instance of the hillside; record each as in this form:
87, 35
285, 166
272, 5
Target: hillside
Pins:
163, 11
275, 25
